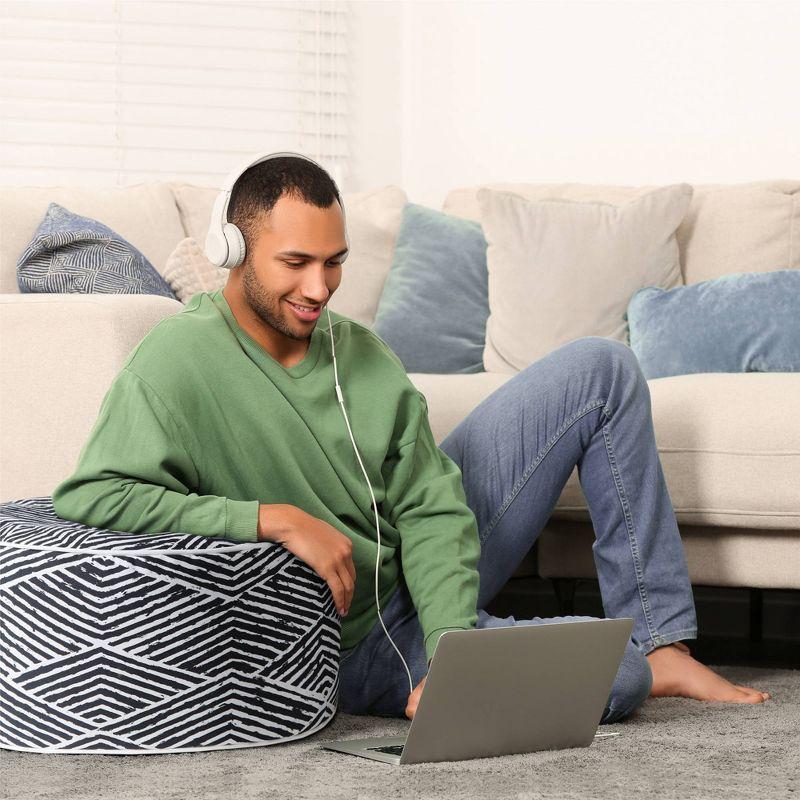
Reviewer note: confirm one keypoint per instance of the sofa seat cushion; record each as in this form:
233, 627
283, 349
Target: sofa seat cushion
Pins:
729, 445
141, 643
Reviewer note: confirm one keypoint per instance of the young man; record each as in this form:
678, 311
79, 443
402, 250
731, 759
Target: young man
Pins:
224, 422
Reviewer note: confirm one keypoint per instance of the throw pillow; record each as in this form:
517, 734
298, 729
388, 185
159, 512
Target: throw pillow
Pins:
73, 254
433, 309
188, 271
560, 269
743, 322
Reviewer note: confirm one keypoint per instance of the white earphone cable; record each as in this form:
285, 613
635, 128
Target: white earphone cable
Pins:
374, 503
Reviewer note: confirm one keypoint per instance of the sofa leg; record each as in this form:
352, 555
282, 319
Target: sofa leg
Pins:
565, 594
756, 614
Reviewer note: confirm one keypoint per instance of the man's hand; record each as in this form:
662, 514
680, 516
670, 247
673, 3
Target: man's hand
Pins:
413, 699
325, 549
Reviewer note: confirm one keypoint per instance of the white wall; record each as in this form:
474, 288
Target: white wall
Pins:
618, 92
375, 121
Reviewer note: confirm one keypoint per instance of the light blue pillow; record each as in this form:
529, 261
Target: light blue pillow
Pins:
74, 254
744, 322
433, 309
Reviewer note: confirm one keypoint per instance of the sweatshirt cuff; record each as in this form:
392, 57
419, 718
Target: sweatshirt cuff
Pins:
433, 640
241, 520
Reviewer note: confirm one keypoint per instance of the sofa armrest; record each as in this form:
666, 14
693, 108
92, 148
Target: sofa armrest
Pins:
60, 353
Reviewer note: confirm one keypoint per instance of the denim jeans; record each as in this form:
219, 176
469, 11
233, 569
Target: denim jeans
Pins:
586, 403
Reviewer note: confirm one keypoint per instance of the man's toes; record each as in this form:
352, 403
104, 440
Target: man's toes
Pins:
746, 689
755, 695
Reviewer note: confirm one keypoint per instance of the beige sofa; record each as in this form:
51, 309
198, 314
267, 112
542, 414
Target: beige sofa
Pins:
729, 443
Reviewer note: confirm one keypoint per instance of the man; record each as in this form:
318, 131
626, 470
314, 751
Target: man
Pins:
224, 422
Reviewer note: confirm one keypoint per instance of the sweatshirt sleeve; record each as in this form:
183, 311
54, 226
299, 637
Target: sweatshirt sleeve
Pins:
134, 475
439, 544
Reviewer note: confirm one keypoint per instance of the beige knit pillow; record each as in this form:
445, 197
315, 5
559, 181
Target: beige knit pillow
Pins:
560, 269
188, 271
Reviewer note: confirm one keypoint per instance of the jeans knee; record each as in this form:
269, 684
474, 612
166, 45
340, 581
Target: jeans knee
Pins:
631, 687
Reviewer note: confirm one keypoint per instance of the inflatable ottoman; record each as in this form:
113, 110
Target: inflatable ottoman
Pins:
113, 642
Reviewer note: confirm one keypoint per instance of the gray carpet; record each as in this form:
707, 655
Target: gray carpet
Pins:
670, 748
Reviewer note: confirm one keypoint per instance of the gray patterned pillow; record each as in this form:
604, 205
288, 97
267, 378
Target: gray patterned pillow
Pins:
74, 254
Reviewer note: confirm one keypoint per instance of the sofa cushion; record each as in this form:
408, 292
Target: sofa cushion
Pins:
372, 219
747, 227
71, 253
745, 322
729, 447
144, 214
560, 270
188, 271
433, 309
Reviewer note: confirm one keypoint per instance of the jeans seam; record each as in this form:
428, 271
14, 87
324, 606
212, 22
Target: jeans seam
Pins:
673, 636
515, 490
632, 541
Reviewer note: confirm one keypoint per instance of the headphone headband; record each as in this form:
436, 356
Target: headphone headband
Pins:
225, 246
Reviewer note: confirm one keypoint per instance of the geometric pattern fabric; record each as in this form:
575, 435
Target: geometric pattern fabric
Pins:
113, 642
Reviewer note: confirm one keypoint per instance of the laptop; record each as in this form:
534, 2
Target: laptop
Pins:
515, 689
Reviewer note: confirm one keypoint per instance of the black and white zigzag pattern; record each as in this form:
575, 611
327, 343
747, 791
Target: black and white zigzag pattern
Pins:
114, 642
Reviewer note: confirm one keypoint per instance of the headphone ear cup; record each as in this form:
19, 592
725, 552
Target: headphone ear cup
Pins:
236, 245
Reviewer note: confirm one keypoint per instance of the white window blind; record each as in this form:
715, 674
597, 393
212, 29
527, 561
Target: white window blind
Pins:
130, 91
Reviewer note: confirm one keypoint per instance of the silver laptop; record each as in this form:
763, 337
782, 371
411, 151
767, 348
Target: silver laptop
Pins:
515, 689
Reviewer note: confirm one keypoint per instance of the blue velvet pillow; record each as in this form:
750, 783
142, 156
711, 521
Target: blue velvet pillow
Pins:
74, 254
433, 309
744, 322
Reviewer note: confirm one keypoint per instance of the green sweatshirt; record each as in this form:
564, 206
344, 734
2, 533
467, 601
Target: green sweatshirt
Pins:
202, 425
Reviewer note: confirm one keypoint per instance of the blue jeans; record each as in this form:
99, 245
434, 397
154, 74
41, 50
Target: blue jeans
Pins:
586, 403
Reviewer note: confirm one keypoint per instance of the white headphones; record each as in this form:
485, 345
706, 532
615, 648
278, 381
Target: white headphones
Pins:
225, 247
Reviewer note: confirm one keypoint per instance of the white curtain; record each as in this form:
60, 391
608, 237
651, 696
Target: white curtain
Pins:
131, 91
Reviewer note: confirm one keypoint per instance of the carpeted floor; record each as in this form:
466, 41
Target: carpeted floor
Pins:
670, 748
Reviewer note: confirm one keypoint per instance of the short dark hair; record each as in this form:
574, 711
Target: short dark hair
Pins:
261, 186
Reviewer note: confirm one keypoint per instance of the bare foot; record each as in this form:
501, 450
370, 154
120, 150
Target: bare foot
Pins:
677, 674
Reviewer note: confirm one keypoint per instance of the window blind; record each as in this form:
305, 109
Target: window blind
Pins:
129, 91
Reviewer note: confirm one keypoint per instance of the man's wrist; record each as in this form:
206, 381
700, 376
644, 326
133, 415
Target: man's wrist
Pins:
277, 521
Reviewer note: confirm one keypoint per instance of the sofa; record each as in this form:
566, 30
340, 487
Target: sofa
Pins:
729, 443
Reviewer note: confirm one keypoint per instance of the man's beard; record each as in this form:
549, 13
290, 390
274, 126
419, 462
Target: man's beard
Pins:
263, 302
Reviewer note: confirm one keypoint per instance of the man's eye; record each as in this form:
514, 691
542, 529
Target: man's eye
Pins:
302, 263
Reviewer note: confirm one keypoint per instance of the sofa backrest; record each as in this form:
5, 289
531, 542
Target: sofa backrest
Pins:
748, 227
145, 214
155, 217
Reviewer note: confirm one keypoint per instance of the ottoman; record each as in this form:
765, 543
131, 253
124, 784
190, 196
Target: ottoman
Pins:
112, 642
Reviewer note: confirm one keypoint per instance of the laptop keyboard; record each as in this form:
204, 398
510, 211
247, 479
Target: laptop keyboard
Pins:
392, 749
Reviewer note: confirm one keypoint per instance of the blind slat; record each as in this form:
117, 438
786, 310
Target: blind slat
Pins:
114, 93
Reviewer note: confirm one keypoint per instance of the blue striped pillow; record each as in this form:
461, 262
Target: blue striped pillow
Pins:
743, 322
74, 254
